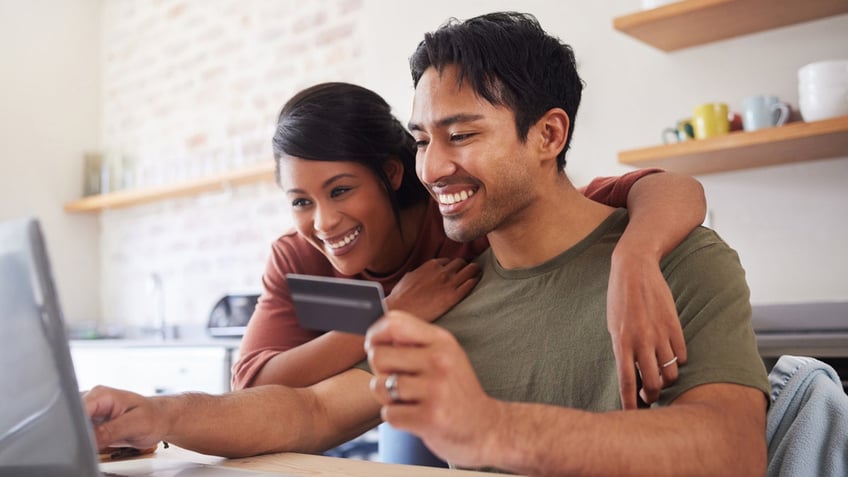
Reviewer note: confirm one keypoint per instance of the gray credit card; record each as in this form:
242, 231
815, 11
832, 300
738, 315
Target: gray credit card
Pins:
340, 304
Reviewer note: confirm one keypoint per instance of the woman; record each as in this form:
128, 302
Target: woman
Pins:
347, 167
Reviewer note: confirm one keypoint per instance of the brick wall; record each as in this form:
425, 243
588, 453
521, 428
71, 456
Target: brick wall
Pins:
192, 88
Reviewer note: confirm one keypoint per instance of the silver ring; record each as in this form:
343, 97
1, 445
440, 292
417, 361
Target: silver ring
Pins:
392, 387
669, 362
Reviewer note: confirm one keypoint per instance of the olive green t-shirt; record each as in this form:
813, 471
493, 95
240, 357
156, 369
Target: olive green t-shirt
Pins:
540, 334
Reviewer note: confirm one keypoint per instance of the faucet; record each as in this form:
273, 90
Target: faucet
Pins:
158, 293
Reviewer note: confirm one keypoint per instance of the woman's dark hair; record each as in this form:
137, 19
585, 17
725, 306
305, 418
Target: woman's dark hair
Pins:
344, 122
509, 60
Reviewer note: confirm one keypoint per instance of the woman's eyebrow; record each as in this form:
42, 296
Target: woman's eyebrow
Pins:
326, 183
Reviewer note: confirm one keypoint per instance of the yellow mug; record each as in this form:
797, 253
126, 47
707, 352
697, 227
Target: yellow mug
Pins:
710, 119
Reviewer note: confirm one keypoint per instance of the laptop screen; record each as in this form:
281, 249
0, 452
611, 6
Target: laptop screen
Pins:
43, 427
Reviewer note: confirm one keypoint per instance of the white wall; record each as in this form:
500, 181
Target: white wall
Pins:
49, 115
221, 70
190, 89
787, 222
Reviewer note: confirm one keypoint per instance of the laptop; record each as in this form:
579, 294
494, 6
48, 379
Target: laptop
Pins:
44, 430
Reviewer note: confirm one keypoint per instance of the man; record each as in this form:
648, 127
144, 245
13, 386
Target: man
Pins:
276, 418
520, 375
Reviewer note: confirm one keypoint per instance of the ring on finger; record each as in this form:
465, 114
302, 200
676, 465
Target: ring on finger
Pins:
669, 362
392, 387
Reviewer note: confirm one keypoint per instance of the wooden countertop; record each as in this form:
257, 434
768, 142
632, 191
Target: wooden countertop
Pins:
174, 458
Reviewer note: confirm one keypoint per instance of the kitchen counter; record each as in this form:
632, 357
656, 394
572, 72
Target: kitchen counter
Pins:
193, 342
818, 329
151, 365
94, 334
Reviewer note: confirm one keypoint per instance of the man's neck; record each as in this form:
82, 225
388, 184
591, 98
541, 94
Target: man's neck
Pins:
558, 219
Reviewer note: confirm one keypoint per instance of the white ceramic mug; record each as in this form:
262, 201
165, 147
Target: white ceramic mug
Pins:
823, 103
823, 90
822, 73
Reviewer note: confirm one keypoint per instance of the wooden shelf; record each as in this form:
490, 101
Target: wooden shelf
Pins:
794, 142
260, 172
695, 22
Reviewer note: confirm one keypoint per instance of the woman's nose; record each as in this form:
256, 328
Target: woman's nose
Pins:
326, 218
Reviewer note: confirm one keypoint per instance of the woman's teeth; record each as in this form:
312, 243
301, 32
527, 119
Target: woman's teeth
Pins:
346, 240
449, 199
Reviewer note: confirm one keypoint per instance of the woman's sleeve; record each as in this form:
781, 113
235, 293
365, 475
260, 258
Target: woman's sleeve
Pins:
613, 191
273, 328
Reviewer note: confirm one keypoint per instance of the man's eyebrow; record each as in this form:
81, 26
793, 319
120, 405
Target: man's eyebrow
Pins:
448, 121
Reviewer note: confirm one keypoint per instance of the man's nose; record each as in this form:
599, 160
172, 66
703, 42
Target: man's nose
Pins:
433, 163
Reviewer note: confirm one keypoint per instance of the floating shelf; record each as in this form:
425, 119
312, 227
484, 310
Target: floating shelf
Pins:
260, 172
794, 142
695, 22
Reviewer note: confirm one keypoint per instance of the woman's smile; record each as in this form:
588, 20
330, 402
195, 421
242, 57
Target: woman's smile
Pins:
343, 243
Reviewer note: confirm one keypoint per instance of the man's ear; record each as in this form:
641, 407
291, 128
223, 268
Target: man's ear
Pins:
553, 131
393, 168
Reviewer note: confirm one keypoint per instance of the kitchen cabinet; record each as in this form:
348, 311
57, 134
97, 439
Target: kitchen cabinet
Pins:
793, 142
260, 172
690, 23
151, 369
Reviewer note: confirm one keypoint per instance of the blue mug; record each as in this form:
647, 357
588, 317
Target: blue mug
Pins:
763, 111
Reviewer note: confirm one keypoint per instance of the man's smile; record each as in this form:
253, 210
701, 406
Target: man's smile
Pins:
449, 199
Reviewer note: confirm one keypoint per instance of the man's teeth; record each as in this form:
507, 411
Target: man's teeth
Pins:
341, 243
449, 199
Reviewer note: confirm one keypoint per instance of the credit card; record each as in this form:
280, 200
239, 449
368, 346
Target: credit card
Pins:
336, 304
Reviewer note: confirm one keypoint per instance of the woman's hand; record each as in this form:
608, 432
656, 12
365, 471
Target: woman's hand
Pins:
642, 320
434, 288
641, 315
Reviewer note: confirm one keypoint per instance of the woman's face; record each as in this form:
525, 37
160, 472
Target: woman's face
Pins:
343, 210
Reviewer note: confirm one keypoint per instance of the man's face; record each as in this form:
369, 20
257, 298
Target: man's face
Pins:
469, 156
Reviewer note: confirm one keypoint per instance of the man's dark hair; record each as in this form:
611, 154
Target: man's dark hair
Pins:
509, 60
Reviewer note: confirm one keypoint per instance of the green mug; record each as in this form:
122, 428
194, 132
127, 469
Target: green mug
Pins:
710, 120
682, 132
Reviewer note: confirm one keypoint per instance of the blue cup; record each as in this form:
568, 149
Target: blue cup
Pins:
400, 447
763, 111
